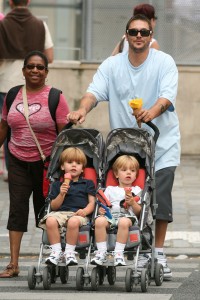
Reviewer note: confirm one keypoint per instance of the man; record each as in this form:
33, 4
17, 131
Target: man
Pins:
151, 75
20, 33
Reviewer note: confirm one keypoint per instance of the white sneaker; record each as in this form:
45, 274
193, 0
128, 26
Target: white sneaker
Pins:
143, 260
70, 259
161, 259
99, 259
53, 258
119, 259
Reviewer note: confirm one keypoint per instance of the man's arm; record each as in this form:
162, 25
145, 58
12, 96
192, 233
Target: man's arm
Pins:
146, 115
49, 54
48, 46
86, 105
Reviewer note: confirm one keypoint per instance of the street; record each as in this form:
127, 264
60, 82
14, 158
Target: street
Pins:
184, 284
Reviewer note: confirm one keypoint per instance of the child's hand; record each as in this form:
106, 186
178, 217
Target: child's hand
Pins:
64, 189
128, 195
80, 212
102, 211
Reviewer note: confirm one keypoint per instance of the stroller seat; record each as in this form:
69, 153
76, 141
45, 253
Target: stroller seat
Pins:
134, 238
85, 230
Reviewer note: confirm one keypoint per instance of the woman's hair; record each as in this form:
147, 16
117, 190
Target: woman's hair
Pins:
73, 154
36, 53
124, 160
145, 9
139, 17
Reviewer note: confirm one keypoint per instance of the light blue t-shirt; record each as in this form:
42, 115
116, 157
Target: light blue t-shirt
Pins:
117, 81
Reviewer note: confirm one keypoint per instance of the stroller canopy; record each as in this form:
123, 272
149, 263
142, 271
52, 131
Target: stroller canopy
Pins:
88, 140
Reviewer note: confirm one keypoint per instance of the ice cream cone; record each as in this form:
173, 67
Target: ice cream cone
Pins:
67, 178
128, 191
136, 105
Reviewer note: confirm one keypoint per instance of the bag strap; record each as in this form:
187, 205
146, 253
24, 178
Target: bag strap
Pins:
25, 102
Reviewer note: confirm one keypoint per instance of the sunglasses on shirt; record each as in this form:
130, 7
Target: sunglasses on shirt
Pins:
143, 32
32, 66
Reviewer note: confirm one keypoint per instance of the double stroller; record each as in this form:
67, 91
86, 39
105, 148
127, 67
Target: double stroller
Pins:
131, 141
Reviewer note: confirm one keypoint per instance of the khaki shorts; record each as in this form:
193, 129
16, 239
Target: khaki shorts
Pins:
62, 217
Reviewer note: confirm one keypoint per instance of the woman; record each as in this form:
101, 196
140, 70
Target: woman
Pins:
149, 12
25, 170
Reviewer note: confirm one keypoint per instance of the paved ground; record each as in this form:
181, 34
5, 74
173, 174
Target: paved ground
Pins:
183, 237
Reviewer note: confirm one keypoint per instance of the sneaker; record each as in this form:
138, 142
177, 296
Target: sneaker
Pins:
53, 258
119, 259
161, 259
70, 259
99, 259
143, 260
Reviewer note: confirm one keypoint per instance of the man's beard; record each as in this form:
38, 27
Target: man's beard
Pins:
139, 50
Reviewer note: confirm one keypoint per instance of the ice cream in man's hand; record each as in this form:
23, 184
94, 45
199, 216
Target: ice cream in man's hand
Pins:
67, 178
136, 105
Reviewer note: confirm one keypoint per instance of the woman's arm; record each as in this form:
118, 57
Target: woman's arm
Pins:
3, 131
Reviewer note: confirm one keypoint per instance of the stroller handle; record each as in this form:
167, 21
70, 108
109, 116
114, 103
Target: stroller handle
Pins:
68, 125
155, 129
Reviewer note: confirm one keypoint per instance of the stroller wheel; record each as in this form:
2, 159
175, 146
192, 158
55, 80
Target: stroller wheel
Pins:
53, 274
102, 274
129, 280
79, 279
159, 274
95, 278
144, 280
47, 278
111, 275
64, 274
31, 278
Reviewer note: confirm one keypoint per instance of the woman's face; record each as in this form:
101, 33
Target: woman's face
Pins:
35, 72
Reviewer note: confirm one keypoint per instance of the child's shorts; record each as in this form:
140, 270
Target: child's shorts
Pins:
62, 217
117, 216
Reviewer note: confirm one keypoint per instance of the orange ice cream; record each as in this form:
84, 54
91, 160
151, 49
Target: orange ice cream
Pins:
136, 105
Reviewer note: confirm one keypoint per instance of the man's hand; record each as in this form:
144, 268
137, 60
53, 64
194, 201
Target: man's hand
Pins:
77, 116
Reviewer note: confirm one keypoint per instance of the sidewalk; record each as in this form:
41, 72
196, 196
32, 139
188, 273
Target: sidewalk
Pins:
183, 235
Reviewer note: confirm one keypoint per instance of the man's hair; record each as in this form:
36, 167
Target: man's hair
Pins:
36, 53
73, 154
20, 2
145, 9
139, 17
123, 161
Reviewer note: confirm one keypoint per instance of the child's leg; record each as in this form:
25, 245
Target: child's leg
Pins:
54, 240
52, 230
73, 225
123, 230
101, 224
122, 237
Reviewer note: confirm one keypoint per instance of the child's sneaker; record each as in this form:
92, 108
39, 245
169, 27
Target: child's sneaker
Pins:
53, 258
99, 259
161, 259
119, 259
143, 261
70, 259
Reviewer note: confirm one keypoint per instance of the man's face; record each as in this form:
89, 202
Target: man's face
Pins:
139, 41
